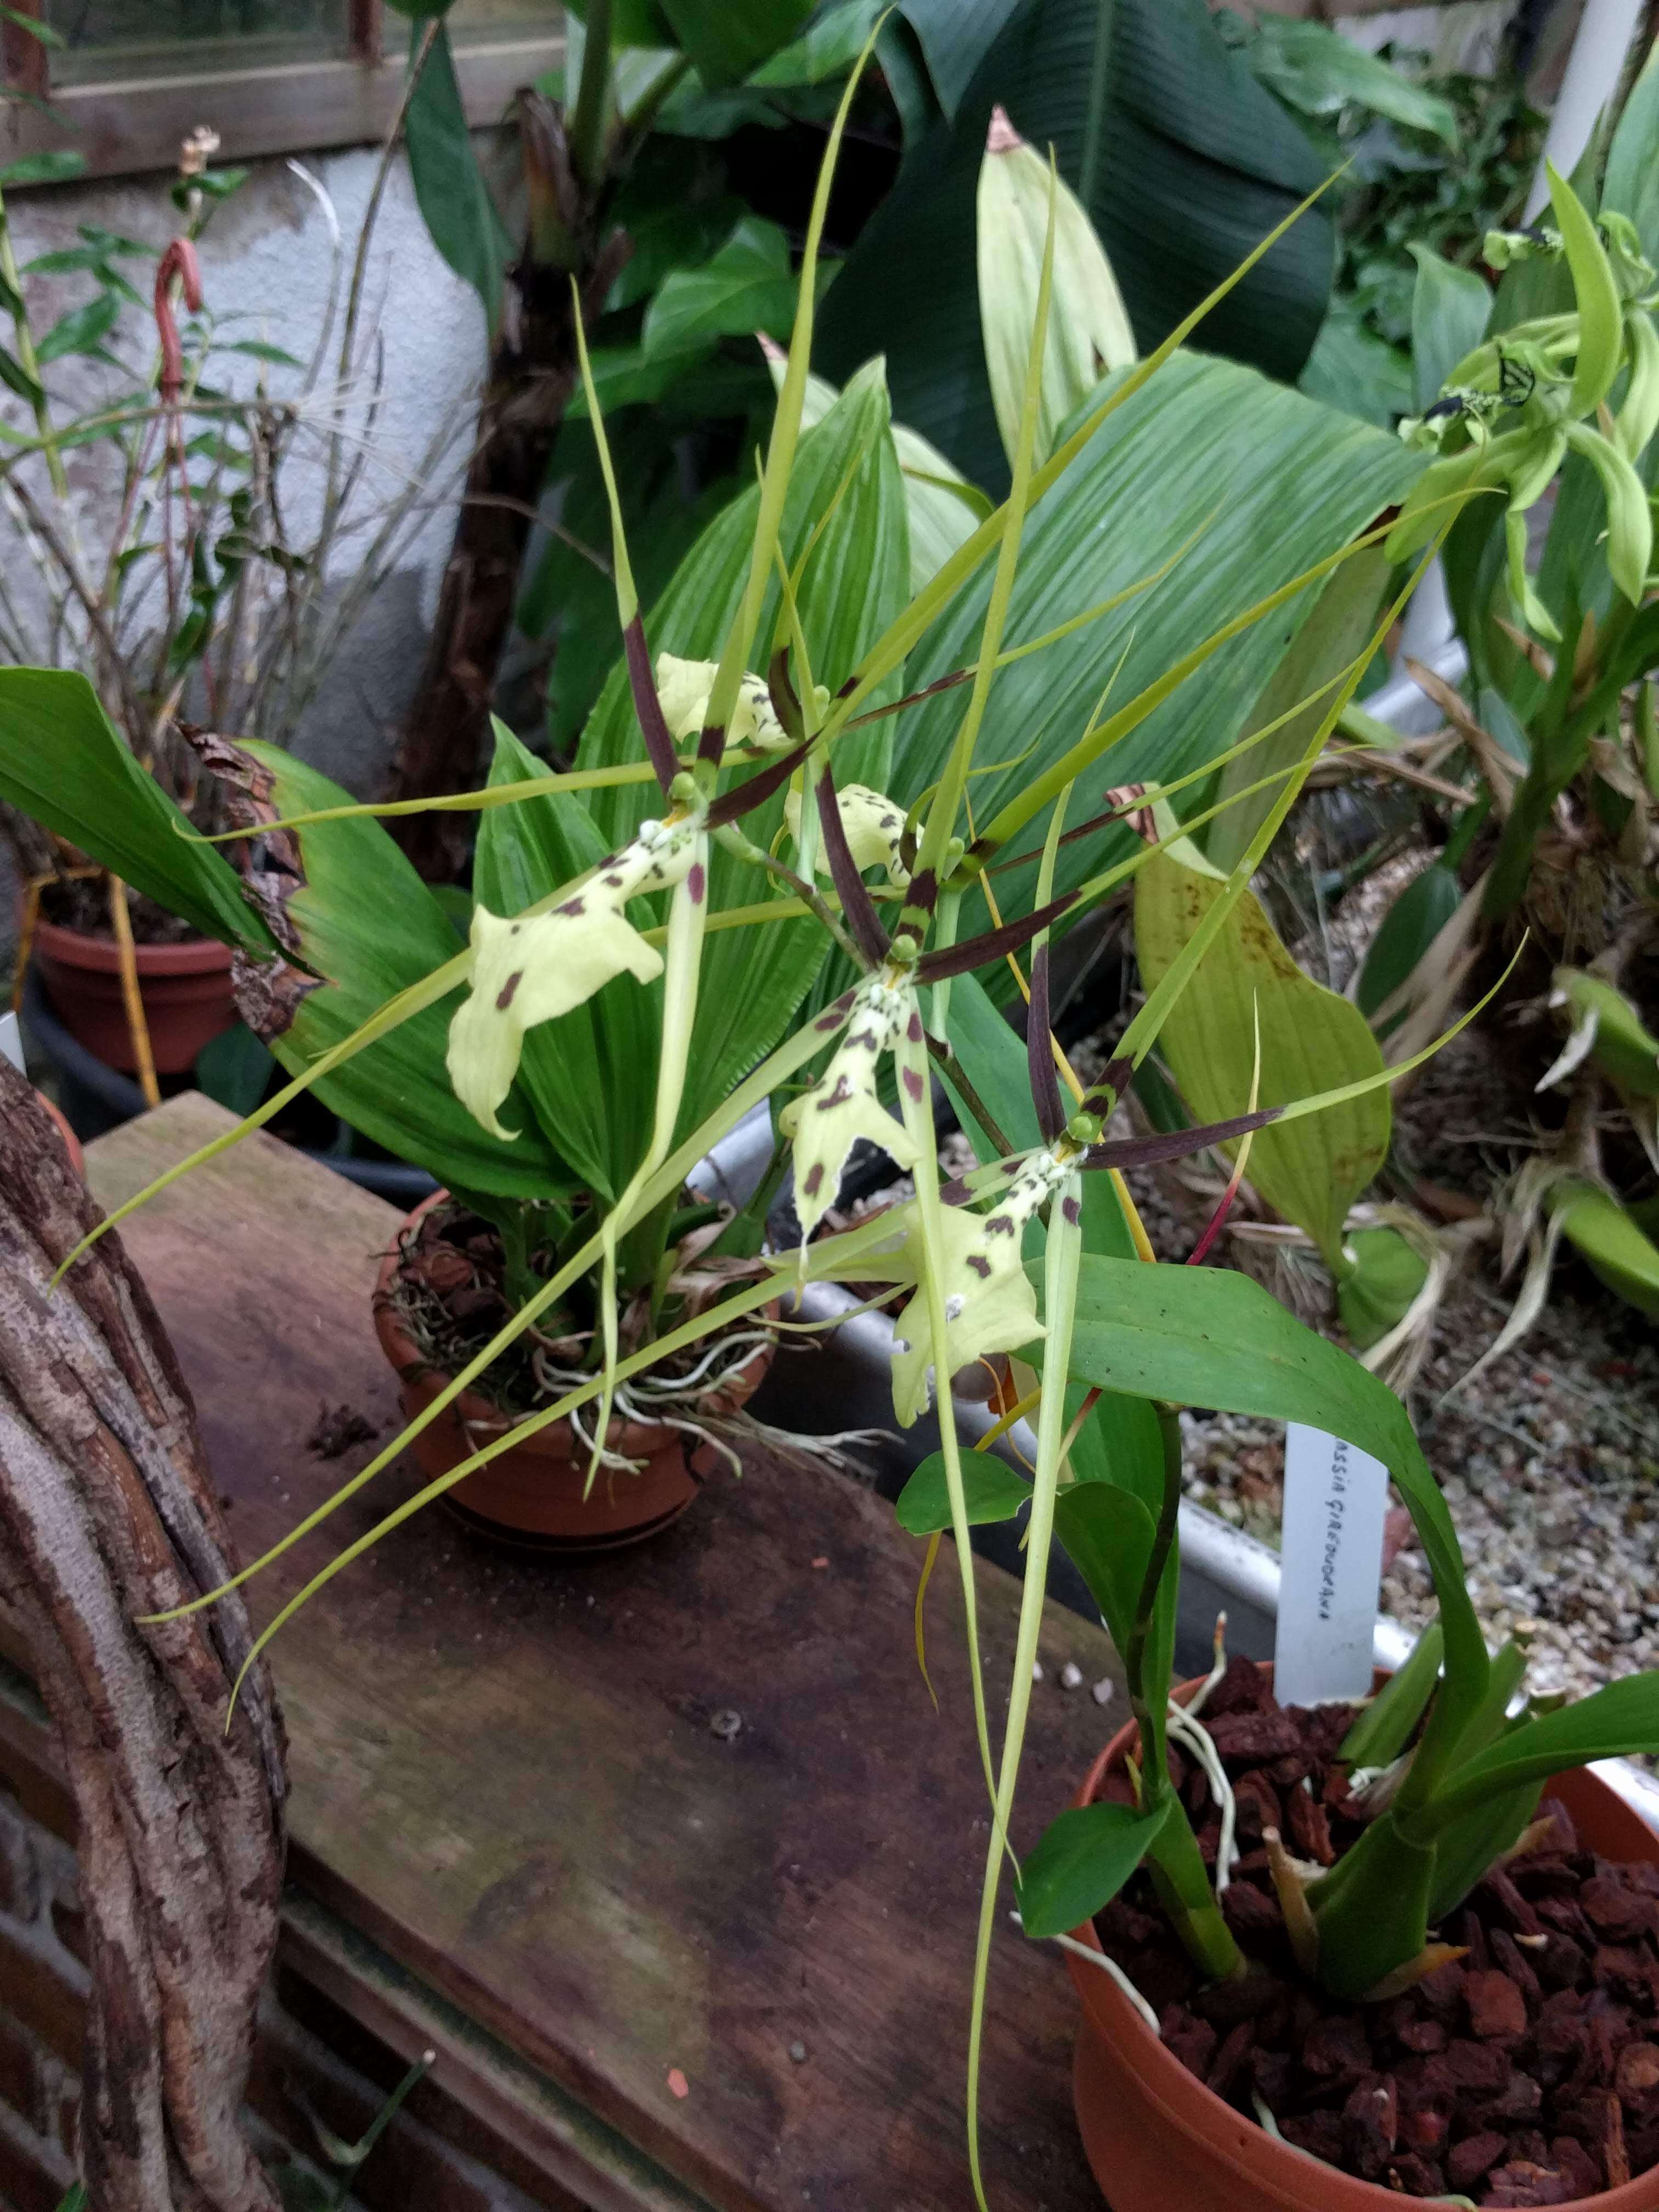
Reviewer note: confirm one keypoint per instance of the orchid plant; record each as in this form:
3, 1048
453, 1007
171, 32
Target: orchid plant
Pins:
648, 885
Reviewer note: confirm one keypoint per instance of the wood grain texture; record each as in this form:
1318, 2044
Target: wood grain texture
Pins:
503, 1770
106, 1516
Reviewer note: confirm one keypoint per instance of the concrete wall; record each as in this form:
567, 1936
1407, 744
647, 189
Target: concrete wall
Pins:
266, 256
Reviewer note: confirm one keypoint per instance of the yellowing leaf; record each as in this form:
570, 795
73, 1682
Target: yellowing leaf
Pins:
1312, 1040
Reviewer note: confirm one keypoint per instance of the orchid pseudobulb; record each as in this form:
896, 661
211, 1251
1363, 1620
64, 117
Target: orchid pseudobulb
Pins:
532, 968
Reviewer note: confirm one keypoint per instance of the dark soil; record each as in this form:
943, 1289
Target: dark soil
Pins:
1525, 2074
82, 903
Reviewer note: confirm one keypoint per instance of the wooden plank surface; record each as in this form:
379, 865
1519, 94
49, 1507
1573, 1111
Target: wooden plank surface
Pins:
503, 1768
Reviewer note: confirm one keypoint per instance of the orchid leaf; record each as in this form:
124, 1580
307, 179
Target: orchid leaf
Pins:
1311, 1040
995, 1492
1082, 1862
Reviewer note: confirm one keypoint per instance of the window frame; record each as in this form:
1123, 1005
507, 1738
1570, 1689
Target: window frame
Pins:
125, 125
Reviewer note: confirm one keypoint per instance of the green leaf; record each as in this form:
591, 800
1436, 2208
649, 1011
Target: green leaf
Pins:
54, 169
63, 764
994, 1493
1617, 1722
1255, 482
1109, 1535
1613, 1245
257, 350
1631, 185
747, 285
633, 22
82, 330
449, 186
1386, 1276
1334, 630
1182, 160
1210, 1337
1352, 368
1450, 309
369, 928
1312, 1040
211, 184
1383, 1728
1317, 71
828, 47
16, 378
32, 27
234, 1068
726, 39
954, 36
1082, 1862
1601, 315
1409, 927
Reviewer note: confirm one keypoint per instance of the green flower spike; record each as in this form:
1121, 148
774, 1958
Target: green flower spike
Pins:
535, 968
684, 687
873, 825
990, 1302
828, 1121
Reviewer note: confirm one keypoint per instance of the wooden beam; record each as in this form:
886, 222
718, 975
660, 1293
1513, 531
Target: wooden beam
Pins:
137, 123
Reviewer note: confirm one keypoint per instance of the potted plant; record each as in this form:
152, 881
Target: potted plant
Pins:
177, 586
542, 1073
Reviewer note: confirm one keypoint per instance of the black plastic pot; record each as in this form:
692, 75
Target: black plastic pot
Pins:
95, 1097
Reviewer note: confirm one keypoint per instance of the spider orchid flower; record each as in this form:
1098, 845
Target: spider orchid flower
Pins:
532, 967
990, 1302
827, 1122
683, 689
872, 825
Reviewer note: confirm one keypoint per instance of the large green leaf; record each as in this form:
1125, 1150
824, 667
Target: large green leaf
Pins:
726, 39
1616, 1722
1209, 1336
1631, 185
63, 764
1084, 1859
746, 286
1256, 483
995, 1492
449, 186
1312, 1040
369, 928
1333, 631
1180, 158
1315, 70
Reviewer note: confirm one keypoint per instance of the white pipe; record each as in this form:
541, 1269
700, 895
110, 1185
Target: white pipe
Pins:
1593, 68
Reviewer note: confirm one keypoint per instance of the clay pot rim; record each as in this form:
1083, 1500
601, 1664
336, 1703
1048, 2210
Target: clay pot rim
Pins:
634, 1439
1192, 2110
78, 948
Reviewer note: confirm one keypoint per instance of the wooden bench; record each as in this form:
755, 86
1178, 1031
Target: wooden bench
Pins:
689, 1968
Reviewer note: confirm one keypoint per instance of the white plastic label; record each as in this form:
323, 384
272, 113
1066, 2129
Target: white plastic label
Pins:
11, 1042
1336, 1498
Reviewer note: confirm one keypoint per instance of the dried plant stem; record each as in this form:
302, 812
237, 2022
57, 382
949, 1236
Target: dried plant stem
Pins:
131, 997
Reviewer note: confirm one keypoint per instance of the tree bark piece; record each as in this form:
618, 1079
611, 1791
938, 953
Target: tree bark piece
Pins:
107, 1512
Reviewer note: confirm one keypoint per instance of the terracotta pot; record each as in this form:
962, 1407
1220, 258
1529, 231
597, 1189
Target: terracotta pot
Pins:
77, 1158
1158, 2141
185, 990
532, 1494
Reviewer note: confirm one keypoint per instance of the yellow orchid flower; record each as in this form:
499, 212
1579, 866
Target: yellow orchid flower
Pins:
990, 1302
683, 689
873, 825
827, 1122
532, 968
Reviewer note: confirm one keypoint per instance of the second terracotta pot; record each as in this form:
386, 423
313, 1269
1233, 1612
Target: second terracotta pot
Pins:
1158, 2141
185, 990
533, 1493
